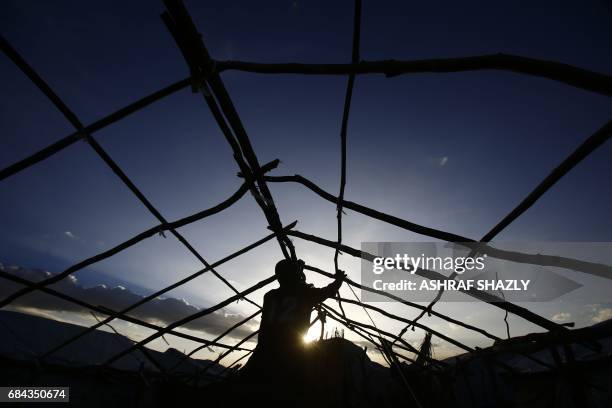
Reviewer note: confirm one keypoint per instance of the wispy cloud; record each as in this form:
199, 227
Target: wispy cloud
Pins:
443, 160
561, 317
602, 315
70, 235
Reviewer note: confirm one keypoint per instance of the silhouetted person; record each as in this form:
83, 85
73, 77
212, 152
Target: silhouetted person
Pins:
280, 353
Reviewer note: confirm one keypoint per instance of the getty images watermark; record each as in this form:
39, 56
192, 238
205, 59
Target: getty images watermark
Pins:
516, 271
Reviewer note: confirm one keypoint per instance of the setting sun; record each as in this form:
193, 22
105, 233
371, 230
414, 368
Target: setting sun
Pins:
312, 334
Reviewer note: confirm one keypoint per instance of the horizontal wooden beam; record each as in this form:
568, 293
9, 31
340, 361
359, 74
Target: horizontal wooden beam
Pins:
564, 73
591, 268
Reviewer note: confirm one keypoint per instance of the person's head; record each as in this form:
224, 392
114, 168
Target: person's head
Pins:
290, 272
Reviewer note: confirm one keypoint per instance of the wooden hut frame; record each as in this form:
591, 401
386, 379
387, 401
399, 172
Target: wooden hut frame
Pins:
205, 78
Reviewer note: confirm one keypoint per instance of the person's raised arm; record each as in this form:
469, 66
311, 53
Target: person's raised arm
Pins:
331, 289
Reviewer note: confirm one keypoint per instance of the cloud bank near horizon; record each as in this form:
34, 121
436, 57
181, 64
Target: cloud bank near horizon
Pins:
162, 310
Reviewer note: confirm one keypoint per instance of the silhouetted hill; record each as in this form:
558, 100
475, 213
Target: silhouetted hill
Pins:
24, 337
337, 373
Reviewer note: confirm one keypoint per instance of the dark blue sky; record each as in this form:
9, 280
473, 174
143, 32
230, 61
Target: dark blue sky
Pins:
451, 151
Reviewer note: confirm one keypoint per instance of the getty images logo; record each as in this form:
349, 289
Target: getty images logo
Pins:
411, 264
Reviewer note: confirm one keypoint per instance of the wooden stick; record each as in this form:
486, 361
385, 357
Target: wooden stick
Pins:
343, 137
358, 330
227, 352
587, 147
349, 322
404, 320
567, 74
225, 333
143, 350
419, 229
379, 337
235, 362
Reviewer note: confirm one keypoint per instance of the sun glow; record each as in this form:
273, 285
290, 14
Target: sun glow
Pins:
312, 334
